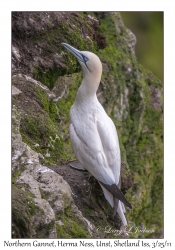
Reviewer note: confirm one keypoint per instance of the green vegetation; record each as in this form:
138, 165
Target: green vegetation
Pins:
23, 208
148, 28
43, 128
24, 211
53, 39
48, 76
140, 131
17, 173
72, 227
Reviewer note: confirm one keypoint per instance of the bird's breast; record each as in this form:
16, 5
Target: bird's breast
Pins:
84, 119
87, 113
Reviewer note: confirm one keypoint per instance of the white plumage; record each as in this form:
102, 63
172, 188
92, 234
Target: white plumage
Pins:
93, 134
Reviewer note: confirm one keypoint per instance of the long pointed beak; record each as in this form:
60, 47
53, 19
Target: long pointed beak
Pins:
77, 53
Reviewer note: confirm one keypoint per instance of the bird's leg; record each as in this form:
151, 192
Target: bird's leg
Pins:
115, 206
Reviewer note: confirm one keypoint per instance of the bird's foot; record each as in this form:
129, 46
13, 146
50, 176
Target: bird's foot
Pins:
78, 167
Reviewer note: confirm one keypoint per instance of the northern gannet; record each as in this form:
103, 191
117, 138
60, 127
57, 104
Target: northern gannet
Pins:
93, 134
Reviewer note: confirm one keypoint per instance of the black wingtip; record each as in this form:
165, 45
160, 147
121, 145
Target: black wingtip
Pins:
129, 205
115, 191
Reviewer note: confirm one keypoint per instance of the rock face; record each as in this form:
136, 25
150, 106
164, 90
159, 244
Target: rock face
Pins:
46, 203
40, 196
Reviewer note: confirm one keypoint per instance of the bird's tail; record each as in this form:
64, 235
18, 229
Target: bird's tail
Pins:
116, 192
116, 204
121, 210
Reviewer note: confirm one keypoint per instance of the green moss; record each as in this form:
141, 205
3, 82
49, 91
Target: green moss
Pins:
43, 131
17, 173
65, 103
72, 227
43, 195
43, 231
23, 208
48, 76
143, 150
41, 126
53, 39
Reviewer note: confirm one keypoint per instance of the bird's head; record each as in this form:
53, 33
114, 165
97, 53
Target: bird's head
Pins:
90, 63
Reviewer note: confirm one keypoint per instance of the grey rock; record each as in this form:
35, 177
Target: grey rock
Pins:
15, 91
51, 193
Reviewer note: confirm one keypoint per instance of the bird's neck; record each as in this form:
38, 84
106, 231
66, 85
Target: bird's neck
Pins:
88, 88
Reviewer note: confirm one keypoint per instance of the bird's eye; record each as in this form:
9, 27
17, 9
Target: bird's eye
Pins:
85, 58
